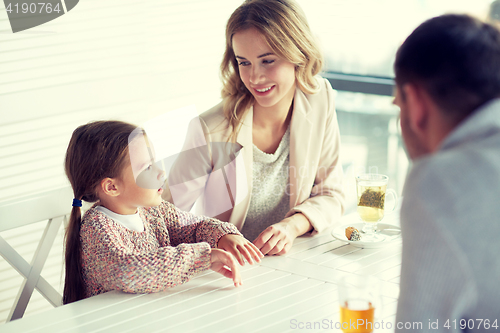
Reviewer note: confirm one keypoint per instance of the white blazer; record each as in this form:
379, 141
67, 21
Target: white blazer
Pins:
223, 189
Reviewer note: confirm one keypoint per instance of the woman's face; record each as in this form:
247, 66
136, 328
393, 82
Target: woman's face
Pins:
269, 78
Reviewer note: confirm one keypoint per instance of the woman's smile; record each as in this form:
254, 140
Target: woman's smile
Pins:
264, 91
268, 77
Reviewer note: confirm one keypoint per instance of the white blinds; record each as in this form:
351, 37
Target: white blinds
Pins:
115, 59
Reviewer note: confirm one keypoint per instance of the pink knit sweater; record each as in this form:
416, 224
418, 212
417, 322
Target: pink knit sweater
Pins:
173, 247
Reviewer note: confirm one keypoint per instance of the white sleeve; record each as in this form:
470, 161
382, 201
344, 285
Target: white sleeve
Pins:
188, 171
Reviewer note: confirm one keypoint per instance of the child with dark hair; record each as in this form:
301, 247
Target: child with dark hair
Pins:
130, 239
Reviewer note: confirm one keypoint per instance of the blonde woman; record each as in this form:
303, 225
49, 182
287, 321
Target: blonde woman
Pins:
281, 176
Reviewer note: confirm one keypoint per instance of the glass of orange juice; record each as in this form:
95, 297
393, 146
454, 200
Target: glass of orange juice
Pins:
360, 303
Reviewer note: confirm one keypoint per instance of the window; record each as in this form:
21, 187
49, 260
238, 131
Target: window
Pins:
360, 39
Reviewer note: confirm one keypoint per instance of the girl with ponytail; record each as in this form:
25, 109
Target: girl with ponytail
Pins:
130, 239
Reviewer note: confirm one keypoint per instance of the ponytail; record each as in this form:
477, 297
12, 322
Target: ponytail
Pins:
96, 151
73, 283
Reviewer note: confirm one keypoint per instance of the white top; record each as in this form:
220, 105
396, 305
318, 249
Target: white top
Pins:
270, 200
132, 222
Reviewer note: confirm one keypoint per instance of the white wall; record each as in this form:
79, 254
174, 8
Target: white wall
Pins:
133, 60
115, 59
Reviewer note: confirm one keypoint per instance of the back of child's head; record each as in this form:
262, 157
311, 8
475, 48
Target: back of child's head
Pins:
96, 151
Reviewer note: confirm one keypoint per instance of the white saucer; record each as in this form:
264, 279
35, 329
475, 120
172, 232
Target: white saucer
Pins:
389, 234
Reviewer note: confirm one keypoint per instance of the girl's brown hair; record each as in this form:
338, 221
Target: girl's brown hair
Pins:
96, 151
285, 29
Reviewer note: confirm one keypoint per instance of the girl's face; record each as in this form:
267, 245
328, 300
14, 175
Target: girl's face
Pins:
141, 180
269, 78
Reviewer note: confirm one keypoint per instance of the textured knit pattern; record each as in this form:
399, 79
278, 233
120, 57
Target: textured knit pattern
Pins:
173, 247
270, 200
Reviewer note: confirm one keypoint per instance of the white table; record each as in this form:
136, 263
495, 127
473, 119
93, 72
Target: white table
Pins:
282, 294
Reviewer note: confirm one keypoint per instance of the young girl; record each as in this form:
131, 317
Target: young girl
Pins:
130, 239
289, 180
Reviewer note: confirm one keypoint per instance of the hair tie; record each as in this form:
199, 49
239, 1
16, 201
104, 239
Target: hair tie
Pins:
77, 203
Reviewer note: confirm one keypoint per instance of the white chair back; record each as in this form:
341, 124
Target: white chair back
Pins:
53, 206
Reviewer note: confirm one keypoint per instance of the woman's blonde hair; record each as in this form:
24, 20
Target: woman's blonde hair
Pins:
285, 29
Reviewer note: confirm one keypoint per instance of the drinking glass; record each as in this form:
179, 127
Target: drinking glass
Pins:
371, 191
360, 303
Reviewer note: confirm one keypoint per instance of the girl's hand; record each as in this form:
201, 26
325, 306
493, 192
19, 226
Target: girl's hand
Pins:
224, 263
278, 238
239, 246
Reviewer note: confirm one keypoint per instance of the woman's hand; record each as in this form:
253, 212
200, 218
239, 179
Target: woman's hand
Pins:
224, 263
240, 247
278, 238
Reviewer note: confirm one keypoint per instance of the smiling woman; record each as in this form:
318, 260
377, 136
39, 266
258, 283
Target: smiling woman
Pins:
268, 77
271, 81
287, 178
